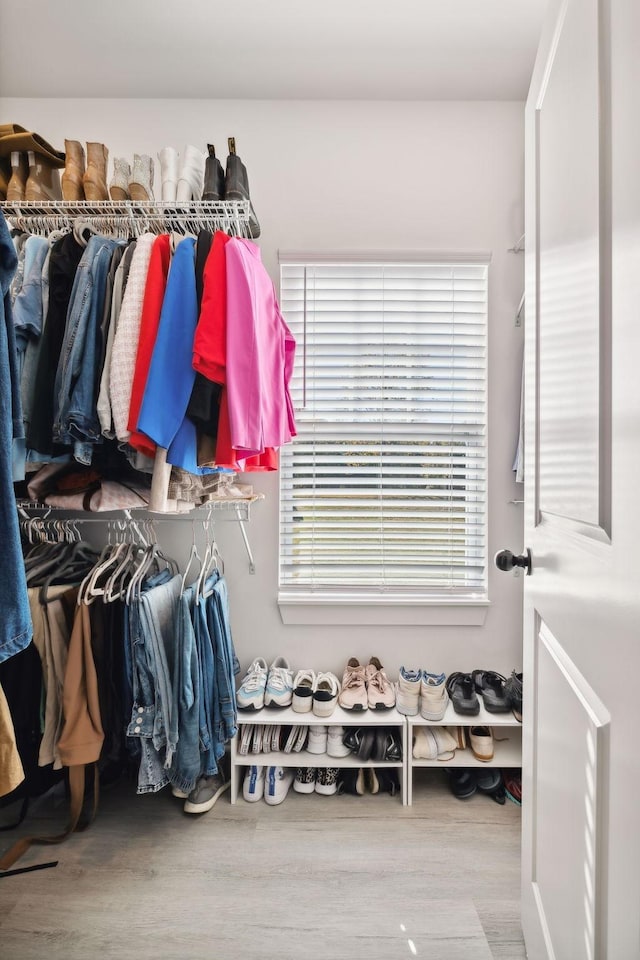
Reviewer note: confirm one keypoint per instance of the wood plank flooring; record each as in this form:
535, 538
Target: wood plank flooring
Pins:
325, 877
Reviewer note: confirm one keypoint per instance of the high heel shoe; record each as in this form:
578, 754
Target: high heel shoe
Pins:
119, 185
72, 188
141, 180
191, 175
168, 158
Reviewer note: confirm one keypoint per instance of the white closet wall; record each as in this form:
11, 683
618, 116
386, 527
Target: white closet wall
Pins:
355, 176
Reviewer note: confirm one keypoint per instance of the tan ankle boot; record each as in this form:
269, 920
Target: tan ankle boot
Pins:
43, 182
19, 174
95, 178
72, 188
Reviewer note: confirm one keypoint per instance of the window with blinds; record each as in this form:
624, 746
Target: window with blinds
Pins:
384, 489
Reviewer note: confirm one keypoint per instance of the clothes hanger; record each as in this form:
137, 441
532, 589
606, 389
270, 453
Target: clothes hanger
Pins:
193, 555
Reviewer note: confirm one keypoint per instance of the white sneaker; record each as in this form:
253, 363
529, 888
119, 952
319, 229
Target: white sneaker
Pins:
304, 686
408, 692
335, 746
250, 695
317, 742
279, 687
253, 785
325, 695
277, 783
434, 698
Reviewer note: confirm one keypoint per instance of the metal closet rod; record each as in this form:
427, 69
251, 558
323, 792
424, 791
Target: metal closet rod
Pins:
240, 505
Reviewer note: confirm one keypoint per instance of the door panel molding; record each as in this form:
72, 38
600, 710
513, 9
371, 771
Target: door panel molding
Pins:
569, 789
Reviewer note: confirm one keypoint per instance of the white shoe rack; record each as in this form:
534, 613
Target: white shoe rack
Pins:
303, 758
507, 735
507, 743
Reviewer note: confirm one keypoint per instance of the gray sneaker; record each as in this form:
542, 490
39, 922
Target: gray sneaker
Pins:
205, 793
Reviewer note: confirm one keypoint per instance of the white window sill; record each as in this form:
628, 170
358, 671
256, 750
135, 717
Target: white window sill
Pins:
380, 610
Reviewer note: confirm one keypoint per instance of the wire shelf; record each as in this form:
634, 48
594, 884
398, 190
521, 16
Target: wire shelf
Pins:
130, 217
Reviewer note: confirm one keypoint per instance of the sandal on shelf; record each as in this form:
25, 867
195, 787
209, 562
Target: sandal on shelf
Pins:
462, 692
491, 687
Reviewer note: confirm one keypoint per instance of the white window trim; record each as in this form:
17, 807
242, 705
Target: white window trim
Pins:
307, 608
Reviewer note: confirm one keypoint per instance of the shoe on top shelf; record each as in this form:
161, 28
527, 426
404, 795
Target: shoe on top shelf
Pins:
353, 695
277, 783
304, 685
325, 695
408, 692
250, 695
461, 689
279, 686
434, 698
513, 690
381, 693
491, 687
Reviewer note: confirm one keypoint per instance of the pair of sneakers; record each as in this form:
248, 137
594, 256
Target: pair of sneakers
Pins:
317, 692
422, 692
322, 780
264, 686
366, 686
270, 784
327, 740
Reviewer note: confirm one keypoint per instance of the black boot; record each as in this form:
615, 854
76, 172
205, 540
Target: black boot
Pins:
213, 177
236, 186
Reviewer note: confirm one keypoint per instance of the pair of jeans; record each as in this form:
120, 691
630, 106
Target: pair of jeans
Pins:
220, 629
187, 684
75, 414
15, 623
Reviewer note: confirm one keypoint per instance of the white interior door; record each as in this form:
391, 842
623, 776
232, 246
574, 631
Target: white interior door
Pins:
581, 822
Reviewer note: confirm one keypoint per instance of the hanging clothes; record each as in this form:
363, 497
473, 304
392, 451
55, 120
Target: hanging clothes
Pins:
15, 623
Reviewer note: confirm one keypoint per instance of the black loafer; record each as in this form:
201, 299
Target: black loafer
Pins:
461, 690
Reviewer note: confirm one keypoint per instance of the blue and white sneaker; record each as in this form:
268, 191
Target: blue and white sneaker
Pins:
250, 695
279, 689
253, 785
408, 692
277, 784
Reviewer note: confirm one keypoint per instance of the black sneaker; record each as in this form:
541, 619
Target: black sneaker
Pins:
463, 782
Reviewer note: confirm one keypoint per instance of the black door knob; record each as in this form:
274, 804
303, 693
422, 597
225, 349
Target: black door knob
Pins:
505, 560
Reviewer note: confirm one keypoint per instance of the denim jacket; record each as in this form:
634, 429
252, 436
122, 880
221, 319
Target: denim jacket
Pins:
75, 414
15, 623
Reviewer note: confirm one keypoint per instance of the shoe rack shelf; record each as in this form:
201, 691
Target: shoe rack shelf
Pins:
507, 743
130, 217
303, 758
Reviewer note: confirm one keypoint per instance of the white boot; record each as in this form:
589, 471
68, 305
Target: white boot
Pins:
191, 175
141, 181
168, 158
119, 186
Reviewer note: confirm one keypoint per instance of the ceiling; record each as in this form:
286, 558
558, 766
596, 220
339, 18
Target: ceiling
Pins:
270, 49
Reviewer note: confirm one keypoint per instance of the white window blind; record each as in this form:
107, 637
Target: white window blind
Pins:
384, 488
